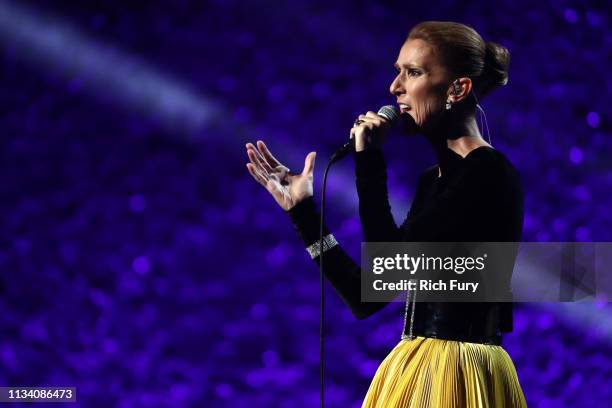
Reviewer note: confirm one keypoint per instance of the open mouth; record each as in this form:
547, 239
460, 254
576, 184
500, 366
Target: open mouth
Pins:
404, 108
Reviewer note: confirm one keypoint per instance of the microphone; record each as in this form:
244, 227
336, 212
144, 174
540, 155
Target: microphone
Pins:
389, 112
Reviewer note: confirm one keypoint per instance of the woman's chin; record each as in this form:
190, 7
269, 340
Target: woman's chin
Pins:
408, 125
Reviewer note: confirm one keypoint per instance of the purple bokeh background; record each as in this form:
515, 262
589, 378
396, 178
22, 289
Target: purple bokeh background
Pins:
142, 264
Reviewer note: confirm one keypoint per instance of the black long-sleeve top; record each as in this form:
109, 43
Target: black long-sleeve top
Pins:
478, 198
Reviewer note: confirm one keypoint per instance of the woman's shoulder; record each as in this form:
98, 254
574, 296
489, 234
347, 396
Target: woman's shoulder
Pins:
483, 162
487, 158
492, 168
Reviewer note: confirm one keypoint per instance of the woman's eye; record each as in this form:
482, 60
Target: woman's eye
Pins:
410, 72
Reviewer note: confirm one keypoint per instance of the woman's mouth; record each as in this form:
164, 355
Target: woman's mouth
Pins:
404, 108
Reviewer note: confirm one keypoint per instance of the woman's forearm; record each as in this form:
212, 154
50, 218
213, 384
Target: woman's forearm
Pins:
374, 208
338, 267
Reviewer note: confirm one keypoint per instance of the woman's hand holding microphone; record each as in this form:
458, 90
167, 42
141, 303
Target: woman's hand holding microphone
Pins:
369, 130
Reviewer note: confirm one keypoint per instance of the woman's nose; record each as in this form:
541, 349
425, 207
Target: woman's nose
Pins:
396, 88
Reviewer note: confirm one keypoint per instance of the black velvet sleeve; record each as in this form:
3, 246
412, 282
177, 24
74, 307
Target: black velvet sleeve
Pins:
338, 267
377, 223
374, 209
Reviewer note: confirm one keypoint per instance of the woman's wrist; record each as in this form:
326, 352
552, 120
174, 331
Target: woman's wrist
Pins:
299, 204
306, 220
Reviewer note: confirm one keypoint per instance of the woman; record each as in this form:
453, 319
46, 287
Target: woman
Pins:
450, 354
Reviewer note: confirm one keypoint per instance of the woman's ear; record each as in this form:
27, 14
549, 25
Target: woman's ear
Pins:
459, 89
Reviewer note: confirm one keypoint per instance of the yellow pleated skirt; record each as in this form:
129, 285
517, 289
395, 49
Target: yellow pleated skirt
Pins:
434, 373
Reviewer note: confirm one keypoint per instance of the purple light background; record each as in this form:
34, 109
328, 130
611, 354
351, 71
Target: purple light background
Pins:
142, 264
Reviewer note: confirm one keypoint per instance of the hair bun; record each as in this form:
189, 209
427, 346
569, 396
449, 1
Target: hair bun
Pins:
464, 53
495, 71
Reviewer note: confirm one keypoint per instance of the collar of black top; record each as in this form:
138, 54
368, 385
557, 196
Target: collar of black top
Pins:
449, 160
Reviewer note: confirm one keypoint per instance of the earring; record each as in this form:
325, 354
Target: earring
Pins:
449, 105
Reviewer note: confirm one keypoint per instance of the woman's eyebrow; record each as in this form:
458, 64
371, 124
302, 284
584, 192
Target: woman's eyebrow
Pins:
397, 66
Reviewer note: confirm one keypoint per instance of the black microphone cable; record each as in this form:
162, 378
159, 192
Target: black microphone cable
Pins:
322, 287
390, 113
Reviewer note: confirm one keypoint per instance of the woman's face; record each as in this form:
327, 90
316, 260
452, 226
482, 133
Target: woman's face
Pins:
421, 86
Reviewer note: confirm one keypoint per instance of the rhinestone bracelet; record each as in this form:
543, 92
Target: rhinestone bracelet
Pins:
329, 241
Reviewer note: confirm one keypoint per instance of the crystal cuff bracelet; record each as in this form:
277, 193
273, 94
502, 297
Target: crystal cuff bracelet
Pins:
328, 243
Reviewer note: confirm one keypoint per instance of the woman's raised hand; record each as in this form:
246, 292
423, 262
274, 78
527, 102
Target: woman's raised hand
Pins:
287, 188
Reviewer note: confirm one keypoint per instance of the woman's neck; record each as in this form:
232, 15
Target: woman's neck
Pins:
461, 136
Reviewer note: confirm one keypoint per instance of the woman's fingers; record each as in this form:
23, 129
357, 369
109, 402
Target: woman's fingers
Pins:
259, 165
271, 160
257, 175
371, 117
367, 129
257, 158
253, 159
309, 163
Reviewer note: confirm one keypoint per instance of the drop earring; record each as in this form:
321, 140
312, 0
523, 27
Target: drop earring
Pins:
449, 105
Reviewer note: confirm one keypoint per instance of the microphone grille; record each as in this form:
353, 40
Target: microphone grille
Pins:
389, 112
